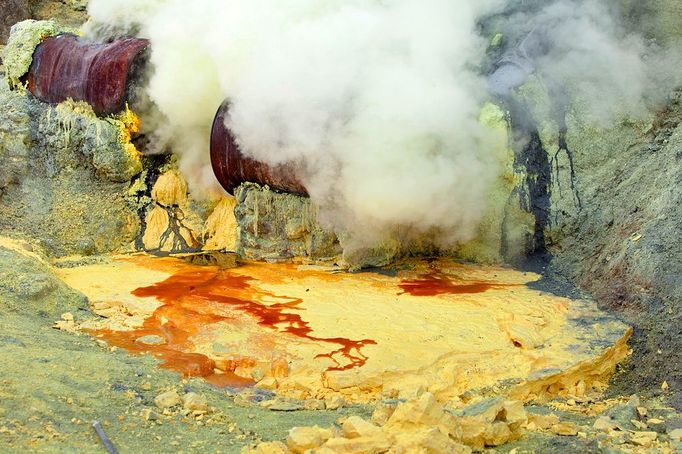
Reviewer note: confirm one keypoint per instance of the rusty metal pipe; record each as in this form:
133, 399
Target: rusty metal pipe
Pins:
232, 168
103, 75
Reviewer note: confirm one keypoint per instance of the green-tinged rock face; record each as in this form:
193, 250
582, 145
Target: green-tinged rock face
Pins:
27, 283
502, 233
272, 225
64, 174
76, 128
661, 19
15, 137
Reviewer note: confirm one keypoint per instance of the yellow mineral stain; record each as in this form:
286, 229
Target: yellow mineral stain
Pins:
156, 222
220, 230
166, 225
438, 326
170, 189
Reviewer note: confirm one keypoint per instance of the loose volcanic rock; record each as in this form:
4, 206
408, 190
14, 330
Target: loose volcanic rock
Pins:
491, 422
566, 429
355, 427
301, 439
542, 422
167, 400
428, 440
195, 402
382, 412
369, 445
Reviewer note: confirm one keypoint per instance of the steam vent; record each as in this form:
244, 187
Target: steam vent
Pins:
253, 227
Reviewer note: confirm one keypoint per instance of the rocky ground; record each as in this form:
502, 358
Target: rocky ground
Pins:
56, 382
622, 246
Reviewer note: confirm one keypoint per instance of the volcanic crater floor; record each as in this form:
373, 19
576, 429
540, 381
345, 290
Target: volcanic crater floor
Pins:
310, 332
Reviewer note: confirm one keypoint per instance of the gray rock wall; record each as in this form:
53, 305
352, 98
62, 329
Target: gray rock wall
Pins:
625, 245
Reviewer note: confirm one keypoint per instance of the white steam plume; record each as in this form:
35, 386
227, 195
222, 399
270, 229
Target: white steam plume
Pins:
378, 98
606, 67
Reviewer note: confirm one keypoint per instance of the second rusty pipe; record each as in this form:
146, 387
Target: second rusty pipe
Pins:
232, 168
103, 75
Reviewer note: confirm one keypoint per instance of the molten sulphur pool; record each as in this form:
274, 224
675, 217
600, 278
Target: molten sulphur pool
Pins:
313, 332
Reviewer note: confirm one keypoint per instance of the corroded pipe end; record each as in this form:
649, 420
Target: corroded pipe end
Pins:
232, 168
102, 75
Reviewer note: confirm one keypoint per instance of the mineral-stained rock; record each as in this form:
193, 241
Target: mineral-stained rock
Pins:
106, 142
195, 402
301, 439
272, 225
491, 422
15, 137
381, 254
277, 226
77, 5
220, 229
27, 282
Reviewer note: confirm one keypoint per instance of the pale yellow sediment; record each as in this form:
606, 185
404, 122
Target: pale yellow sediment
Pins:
170, 189
510, 340
220, 229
